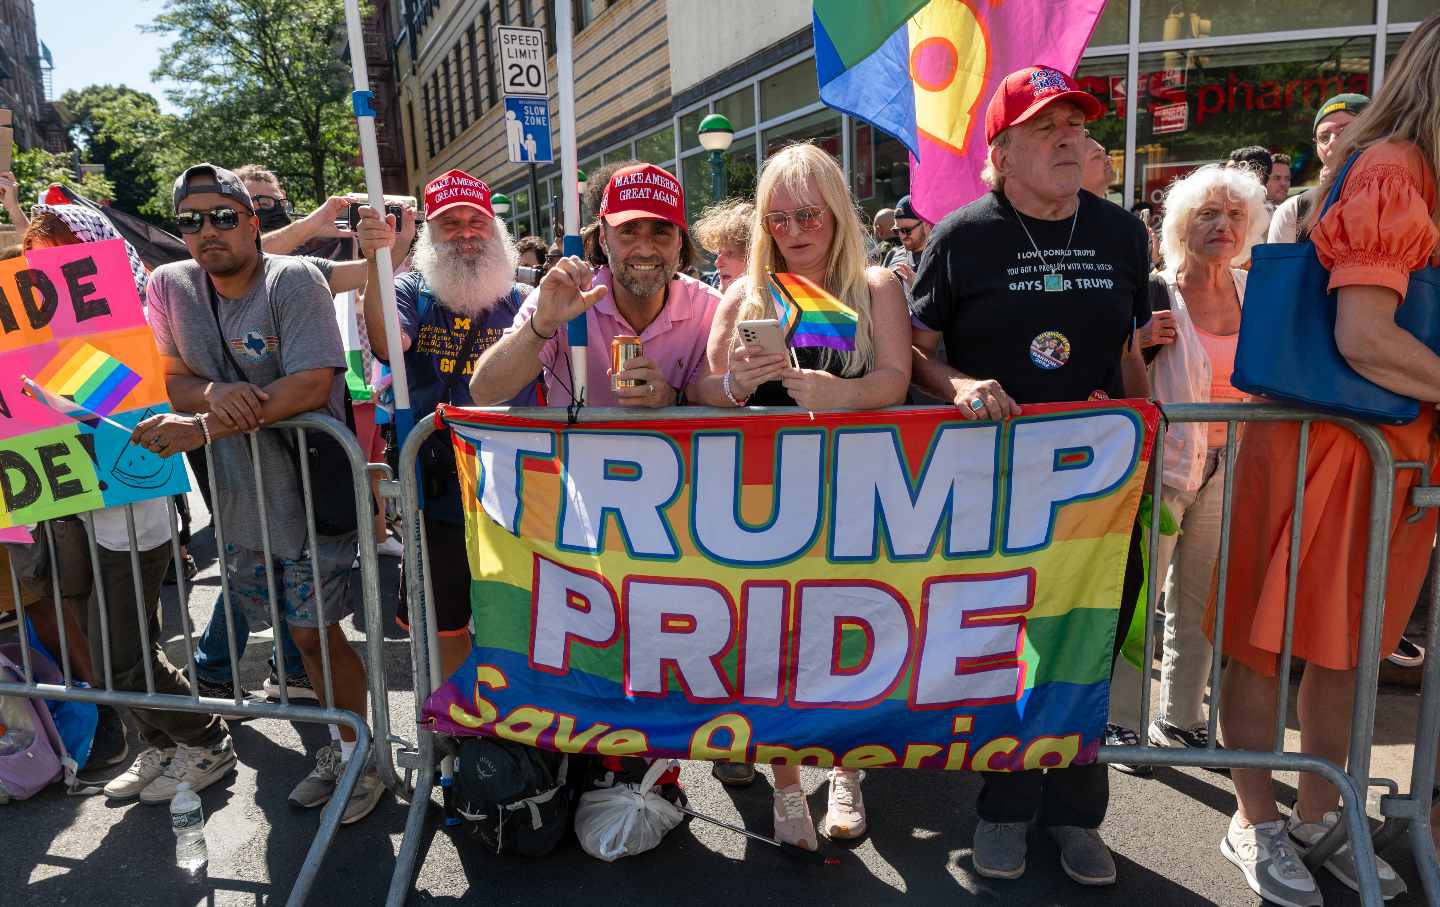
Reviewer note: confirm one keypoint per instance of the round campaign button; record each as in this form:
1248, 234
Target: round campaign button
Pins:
1050, 350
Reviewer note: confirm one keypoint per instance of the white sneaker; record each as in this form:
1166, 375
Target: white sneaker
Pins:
148, 766
845, 807
793, 824
1272, 867
1341, 864
201, 766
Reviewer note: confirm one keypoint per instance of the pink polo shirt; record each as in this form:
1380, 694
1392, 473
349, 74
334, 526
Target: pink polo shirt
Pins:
675, 340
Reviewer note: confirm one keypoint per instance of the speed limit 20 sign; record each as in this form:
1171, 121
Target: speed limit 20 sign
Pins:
522, 61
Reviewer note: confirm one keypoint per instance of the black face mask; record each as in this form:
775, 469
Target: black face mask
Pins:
273, 218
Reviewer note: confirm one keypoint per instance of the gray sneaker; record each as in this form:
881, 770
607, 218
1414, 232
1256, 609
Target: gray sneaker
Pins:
1272, 867
316, 788
364, 796
1000, 849
1083, 855
1341, 864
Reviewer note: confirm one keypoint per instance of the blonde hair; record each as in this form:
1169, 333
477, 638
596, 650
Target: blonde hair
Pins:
804, 169
1186, 196
1407, 109
725, 225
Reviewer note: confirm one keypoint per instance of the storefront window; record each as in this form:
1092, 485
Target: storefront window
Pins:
1104, 77
1177, 20
822, 126
690, 128
1411, 10
879, 167
615, 155
738, 108
657, 147
787, 90
1195, 107
1114, 24
520, 212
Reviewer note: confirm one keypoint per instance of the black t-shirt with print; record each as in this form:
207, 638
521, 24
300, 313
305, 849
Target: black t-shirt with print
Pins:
982, 284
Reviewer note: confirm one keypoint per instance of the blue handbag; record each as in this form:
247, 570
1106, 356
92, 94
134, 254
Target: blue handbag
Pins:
1287, 348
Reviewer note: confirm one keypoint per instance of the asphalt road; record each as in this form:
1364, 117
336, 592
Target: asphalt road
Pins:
1165, 832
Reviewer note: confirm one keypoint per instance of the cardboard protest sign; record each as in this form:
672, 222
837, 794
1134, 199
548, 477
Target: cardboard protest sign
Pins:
867, 589
71, 321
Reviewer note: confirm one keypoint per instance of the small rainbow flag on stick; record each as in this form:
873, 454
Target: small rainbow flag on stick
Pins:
810, 316
92, 378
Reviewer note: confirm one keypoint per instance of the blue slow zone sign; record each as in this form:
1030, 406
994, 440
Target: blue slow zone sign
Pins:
527, 130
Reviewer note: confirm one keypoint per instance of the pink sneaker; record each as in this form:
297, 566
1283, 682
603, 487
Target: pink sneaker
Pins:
793, 824
845, 811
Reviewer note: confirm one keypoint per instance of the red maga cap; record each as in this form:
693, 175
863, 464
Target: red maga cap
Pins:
643, 190
456, 188
1026, 92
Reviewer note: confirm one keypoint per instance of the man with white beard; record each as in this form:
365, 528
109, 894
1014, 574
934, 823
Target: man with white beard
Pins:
458, 300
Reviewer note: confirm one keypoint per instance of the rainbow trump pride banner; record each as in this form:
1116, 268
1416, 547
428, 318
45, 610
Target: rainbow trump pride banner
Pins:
898, 588
71, 321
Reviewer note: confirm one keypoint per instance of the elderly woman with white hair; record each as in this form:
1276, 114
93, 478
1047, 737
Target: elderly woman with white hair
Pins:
1212, 219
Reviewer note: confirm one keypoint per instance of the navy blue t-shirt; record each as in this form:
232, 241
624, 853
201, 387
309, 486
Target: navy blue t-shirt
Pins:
432, 366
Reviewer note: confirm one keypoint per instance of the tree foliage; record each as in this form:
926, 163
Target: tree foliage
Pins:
36, 168
125, 130
264, 81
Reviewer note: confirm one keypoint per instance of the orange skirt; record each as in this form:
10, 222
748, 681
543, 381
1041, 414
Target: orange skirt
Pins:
1334, 537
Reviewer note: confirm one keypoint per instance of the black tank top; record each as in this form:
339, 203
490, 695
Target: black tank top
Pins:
773, 393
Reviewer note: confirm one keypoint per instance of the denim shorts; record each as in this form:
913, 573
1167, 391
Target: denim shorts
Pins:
294, 583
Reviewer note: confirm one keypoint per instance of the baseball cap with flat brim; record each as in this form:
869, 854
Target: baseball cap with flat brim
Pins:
1026, 92
222, 182
455, 189
643, 191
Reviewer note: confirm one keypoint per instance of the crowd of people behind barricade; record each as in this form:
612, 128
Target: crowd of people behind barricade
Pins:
248, 336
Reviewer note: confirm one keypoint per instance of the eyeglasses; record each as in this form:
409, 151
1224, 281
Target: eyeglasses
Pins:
808, 219
193, 221
266, 202
906, 231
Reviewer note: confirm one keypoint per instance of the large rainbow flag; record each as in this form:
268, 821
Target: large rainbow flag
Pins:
809, 315
92, 378
924, 71
868, 589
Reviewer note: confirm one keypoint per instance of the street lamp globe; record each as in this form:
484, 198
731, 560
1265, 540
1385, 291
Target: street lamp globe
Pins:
716, 133
500, 203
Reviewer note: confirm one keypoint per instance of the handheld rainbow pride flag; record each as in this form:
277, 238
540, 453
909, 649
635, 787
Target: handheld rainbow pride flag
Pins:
63, 405
810, 316
92, 378
924, 70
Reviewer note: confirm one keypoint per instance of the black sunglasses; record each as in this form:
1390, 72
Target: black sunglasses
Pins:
193, 221
265, 202
906, 231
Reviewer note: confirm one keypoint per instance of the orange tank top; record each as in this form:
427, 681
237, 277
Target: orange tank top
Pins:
1221, 350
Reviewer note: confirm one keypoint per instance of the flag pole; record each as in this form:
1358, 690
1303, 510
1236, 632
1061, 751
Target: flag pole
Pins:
565, 88
361, 100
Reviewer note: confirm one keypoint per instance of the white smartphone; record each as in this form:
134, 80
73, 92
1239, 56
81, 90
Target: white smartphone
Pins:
764, 333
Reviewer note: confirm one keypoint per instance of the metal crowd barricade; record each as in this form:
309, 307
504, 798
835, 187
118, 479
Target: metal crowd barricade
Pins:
235, 707
1353, 781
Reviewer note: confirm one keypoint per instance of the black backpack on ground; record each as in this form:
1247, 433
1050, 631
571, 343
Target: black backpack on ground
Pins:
514, 798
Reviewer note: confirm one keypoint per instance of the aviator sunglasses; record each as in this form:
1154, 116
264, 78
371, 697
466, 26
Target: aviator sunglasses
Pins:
193, 221
808, 219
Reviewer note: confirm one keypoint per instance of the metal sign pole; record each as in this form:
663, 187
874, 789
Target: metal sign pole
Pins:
361, 100
565, 77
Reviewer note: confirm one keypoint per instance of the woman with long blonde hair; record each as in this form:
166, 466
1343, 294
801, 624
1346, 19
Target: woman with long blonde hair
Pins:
1382, 228
806, 223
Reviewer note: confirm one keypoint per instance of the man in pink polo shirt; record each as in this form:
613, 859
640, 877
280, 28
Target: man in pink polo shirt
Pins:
639, 291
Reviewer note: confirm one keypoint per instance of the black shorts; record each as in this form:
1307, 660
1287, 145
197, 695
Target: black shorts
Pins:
449, 578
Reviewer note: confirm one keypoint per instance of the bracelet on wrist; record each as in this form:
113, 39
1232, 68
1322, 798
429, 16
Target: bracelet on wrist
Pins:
204, 429
730, 393
537, 333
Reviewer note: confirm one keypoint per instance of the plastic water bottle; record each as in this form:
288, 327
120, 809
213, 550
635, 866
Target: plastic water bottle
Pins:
188, 821
17, 729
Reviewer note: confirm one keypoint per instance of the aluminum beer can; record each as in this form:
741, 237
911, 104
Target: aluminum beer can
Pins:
623, 348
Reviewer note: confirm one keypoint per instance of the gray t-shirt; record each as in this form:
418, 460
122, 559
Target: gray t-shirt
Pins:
284, 324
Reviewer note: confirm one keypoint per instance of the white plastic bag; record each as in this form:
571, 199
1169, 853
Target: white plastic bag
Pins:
626, 819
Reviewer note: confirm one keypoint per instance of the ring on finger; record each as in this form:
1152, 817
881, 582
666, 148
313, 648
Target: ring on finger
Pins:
977, 404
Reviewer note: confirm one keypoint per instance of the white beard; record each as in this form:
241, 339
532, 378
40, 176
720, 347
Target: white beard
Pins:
468, 283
